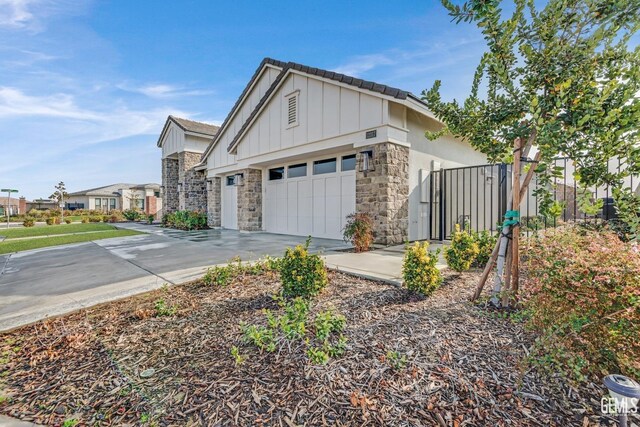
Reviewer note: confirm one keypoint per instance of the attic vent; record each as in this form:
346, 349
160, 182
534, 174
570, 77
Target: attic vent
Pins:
292, 110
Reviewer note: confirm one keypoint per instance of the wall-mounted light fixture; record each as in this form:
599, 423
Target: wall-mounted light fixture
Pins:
179, 187
239, 179
162, 189
367, 161
209, 185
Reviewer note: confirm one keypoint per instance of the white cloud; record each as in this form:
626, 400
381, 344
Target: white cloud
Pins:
363, 63
85, 126
158, 91
16, 14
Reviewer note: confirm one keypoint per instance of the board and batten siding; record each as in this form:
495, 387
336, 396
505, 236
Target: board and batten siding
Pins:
325, 111
219, 157
173, 141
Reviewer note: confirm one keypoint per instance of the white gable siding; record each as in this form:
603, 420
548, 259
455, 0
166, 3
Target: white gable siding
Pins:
173, 141
219, 157
325, 110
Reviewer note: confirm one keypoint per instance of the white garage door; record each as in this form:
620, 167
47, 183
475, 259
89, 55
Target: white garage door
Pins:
229, 203
311, 198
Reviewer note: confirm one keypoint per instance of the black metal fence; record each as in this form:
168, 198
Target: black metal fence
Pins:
479, 195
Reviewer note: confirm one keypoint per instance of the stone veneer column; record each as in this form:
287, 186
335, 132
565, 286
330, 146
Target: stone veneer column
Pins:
383, 192
193, 196
214, 201
170, 176
250, 201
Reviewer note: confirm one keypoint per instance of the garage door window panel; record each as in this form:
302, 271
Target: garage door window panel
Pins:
324, 166
276, 173
297, 171
348, 163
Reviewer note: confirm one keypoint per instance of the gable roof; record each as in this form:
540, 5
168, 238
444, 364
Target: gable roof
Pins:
187, 125
331, 75
109, 190
236, 106
286, 67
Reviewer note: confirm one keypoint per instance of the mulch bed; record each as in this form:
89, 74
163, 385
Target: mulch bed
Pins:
463, 364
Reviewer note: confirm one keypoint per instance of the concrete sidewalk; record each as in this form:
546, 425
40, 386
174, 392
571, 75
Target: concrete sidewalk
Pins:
381, 264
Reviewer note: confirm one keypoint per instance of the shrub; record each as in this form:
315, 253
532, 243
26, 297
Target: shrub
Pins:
359, 231
131, 215
84, 220
462, 251
322, 336
95, 218
419, 270
150, 219
222, 275
53, 220
67, 221
185, 220
29, 222
486, 242
302, 274
115, 216
582, 293
164, 309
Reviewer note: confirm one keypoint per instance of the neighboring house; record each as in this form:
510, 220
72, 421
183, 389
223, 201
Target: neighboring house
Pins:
145, 197
303, 147
16, 206
183, 142
42, 204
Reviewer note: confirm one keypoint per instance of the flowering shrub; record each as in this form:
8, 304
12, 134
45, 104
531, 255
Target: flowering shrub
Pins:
53, 220
29, 222
359, 231
463, 250
582, 293
419, 269
302, 274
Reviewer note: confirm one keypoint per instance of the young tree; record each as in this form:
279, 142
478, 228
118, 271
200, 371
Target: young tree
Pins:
563, 80
60, 194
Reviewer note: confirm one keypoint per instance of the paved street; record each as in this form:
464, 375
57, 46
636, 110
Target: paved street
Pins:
51, 281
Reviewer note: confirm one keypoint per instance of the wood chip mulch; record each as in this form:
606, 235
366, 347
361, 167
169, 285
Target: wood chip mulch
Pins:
118, 364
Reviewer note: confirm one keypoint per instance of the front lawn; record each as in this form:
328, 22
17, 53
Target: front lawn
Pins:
163, 358
50, 230
17, 245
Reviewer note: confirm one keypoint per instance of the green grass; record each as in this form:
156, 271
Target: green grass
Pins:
50, 230
9, 246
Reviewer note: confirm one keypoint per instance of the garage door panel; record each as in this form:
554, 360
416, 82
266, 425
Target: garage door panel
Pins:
314, 205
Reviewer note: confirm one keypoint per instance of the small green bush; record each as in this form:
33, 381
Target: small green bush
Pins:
164, 309
150, 219
486, 242
53, 220
185, 220
322, 336
95, 218
84, 220
29, 222
359, 231
419, 270
302, 274
222, 275
67, 221
463, 250
131, 214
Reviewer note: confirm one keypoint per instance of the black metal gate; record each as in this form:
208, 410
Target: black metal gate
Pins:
478, 196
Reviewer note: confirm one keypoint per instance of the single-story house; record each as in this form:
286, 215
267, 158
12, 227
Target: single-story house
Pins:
302, 148
16, 206
144, 197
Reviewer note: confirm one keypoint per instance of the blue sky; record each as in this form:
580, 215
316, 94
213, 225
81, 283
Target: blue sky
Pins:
85, 86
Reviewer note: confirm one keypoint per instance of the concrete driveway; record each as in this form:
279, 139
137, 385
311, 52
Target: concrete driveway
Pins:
52, 281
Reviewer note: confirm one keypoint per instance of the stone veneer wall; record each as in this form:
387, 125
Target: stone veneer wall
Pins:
250, 201
170, 176
193, 196
383, 193
214, 203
